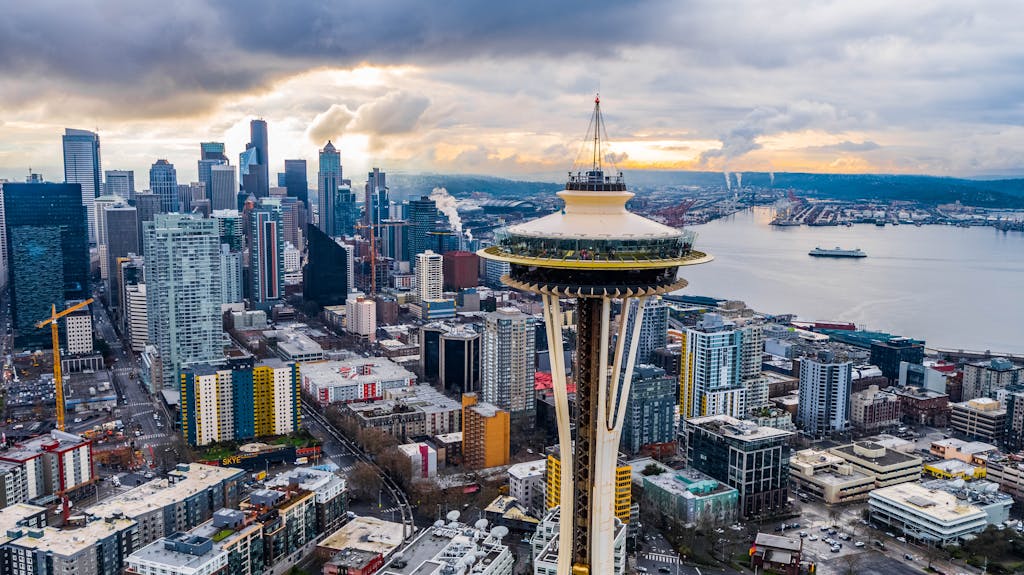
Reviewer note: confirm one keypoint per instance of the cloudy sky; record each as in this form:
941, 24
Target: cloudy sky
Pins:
505, 88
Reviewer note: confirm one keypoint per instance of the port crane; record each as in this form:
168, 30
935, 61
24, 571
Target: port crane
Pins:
57, 372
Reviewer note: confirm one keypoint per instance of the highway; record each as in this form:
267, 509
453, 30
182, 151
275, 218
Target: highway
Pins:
337, 446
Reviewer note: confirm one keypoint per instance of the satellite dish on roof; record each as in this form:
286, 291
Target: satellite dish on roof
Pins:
439, 523
481, 524
499, 532
453, 515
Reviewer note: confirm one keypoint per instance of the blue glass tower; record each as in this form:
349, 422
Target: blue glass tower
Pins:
163, 181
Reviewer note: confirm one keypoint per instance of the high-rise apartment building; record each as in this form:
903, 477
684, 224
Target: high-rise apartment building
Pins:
508, 364
422, 220
623, 486
148, 205
376, 201
47, 253
120, 183
78, 332
653, 329
710, 382
296, 181
429, 275
325, 276
329, 181
266, 253
183, 292
163, 181
229, 228
253, 166
231, 275
361, 318
82, 166
651, 410
988, 378
100, 205
752, 459
240, 400
825, 388
485, 433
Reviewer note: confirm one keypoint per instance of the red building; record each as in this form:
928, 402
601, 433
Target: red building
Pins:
352, 561
776, 553
461, 270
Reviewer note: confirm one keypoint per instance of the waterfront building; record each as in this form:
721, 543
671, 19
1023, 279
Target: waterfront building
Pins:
752, 459
485, 433
82, 166
825, 388
508, 362
183, 292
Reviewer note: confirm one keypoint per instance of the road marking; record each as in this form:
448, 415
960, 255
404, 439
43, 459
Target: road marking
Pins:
662, 557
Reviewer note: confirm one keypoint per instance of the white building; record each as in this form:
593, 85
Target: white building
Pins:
54, 462
931, 516
507, 362
526, 482
292, 258
825, 388
454, 547
429, 275
178, 554
135, 316
361, 318
712, 369
78, 332
545, 546
354, 380
422, 460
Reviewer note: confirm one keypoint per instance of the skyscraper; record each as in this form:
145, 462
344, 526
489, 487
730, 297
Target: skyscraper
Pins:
346, 211
507, 364
266, 253
651, 410
710, 383
148, 206
212, 151
295, 180
223, 189
326, 275
163, 182
120, 183
422, 220
429, 275
47, 253
376, 198
122, 234
825, 388
254, 170
82, 166
210, 154
329, 180
653, 329
183, 292
100, 205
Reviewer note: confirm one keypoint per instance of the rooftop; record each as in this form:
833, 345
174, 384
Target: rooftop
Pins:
163, 552
447, 545
528, 469
12, 515
70, 541
733, 428
875, 453
366, 533
354, 371
190, 479
414, 398
688, 483
939, 504
32, 448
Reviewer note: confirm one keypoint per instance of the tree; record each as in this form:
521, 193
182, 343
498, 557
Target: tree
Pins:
363, 480
652, 469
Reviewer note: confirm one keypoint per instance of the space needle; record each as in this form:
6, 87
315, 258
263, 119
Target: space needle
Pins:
594, 251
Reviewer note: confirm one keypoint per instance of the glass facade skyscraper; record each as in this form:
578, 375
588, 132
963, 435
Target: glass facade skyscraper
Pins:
266, 254
82, 166
47, 252
254, 172
325, 277
183, 292
377, 202
295, 180
120, 183
329, 180
163, 181
422, 221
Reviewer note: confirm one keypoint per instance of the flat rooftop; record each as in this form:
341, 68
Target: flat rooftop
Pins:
155, 552
528, 469
889, 459
438, 547
368, 534
11, 515
354, 371
419, 397
70, 541
160, 493
53, 441
733, 428
688, 483
940, 505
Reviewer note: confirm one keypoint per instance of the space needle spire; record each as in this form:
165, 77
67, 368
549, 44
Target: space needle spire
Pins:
595, 252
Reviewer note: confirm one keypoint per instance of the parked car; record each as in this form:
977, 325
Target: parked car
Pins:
858, 544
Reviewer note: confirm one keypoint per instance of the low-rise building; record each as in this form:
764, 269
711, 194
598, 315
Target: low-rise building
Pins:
972, 452
929, 516
178, 554
422, 460
953, 469
238, 534
1007, 471
687, 496
329, 490
526, 482
353, 562
982, 494
922, 406
445, 548
873, 409
828, 477
982, 418
363, 379
365, 533
888, 467
409, 412
776, 554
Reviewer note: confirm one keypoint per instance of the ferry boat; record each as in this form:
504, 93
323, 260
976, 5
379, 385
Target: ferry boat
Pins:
837, 253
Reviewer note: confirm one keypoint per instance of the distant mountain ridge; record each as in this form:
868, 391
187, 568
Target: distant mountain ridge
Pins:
1002, 193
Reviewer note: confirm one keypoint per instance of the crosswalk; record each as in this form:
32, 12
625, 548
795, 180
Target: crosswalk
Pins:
151, 437
662, 558
347, 468
391, 510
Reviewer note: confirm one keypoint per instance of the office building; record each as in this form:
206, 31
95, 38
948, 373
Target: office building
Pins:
485, 433
346, 212
623, 480
874, 410
988, 378
450, 357
293, 221
120, 183
688, 497
163, 182
82, 166
460, 270
711, 382
44, 223
650, 411
494, 270
354, 380
527, 483
887, 355
508, 363
825, 388
239, 401
829, 478
78, 332
928, 516
211, 154
223, 189
887, 466
183, 292
422, 220
981, 419
429, 275
329, 181
266, 255
100, 205
754, 460
326, 274
295, 180
121, 235
376, 204
923, 406
147, 206
254, 168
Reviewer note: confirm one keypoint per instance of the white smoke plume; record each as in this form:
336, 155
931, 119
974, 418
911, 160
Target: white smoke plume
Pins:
728, 182
739, 180
771, 178
446, 204
469, 234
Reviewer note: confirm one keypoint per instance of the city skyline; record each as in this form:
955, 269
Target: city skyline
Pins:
824, 88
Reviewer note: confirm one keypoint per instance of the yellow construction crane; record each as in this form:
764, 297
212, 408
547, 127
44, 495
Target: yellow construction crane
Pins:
373, 249
57, 376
